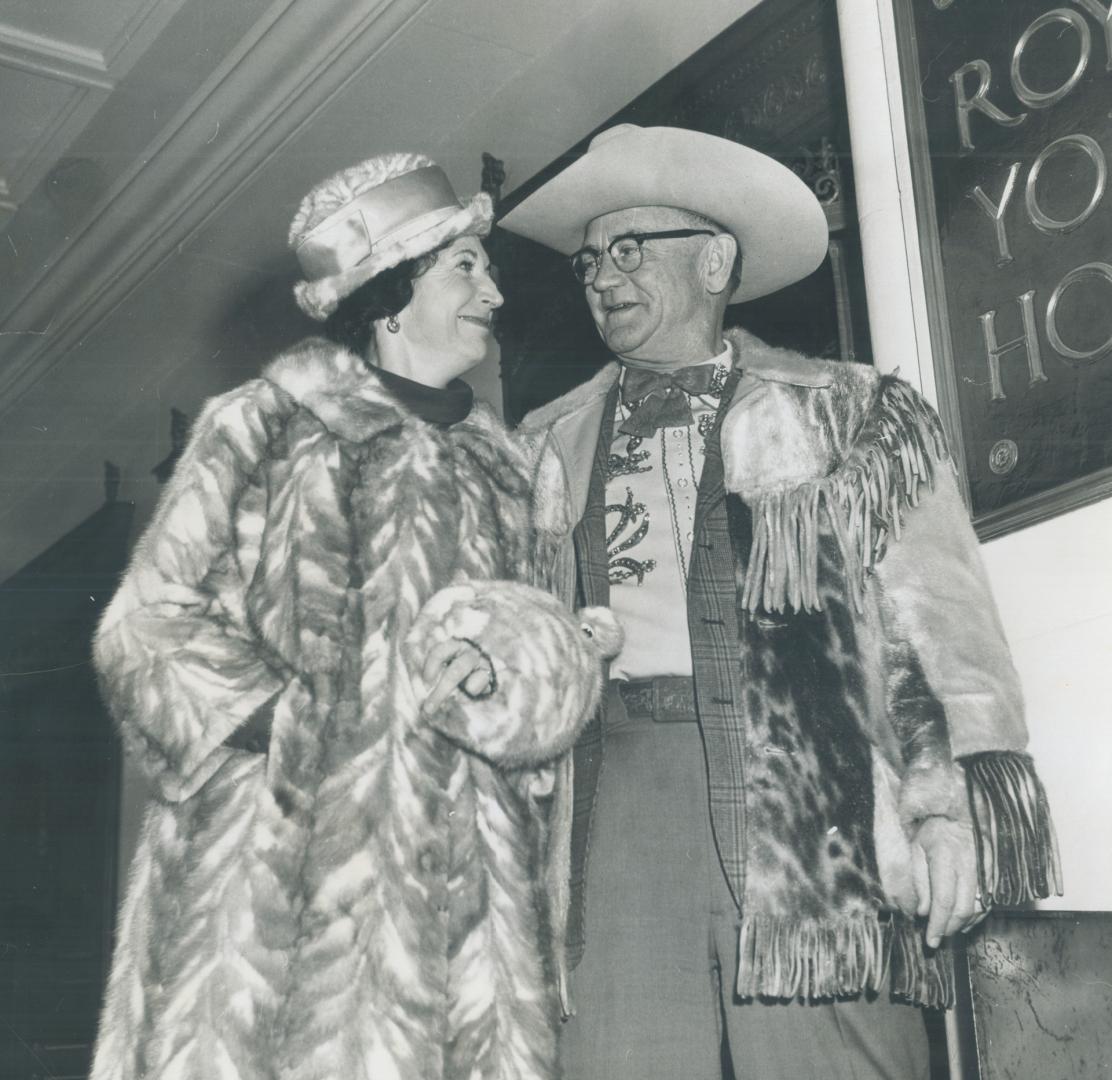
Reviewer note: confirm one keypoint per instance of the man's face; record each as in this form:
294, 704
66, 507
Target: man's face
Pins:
655, 313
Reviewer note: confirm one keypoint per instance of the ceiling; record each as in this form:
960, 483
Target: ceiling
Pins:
152, 153
59, 64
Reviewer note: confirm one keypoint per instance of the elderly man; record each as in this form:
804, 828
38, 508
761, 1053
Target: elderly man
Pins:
814, 732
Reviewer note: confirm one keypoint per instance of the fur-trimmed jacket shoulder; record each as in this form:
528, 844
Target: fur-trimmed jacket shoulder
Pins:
866, 625
333, 881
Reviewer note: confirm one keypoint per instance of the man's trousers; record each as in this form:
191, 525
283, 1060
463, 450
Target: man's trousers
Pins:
653, 993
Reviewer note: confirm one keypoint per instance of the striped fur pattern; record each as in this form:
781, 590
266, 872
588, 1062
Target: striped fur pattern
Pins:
361, 901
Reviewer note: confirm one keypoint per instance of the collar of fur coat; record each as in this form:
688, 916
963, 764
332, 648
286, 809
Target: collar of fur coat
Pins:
343, 391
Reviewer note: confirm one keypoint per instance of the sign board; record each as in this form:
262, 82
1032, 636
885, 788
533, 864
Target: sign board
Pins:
1009, 110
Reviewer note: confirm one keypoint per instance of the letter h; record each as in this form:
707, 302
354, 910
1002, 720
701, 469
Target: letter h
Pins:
1029, 339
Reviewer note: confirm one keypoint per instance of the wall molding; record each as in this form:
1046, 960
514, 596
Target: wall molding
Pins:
50, 58
296, 60
81, 65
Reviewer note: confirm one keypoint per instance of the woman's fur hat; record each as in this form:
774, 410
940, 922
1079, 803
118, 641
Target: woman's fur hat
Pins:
372, 216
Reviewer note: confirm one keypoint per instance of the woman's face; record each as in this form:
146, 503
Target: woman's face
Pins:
446, 327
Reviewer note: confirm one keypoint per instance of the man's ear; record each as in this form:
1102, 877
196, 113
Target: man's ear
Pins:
718, 262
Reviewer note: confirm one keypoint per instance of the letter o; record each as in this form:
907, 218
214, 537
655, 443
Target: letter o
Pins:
1088, 146
1080, 273
1040, 99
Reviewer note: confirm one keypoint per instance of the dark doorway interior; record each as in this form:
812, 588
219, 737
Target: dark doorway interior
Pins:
59, 802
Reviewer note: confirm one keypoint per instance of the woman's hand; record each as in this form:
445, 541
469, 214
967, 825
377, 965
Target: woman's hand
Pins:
528, 670
456, 663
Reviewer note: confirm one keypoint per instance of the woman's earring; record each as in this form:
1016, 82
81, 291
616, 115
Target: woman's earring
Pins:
393, 325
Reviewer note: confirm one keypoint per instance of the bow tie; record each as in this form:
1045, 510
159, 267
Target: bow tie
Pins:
663, 397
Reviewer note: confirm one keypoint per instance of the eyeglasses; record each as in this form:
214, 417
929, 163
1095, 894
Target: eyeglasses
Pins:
625, 250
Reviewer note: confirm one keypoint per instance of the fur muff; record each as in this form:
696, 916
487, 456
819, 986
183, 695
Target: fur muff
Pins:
520, 630
360, 900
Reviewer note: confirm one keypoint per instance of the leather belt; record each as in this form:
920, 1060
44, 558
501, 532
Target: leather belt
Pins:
668, 699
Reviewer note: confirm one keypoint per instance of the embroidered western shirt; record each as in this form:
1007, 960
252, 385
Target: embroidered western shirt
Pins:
651, 488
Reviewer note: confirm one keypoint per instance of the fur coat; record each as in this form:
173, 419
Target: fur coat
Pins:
871, 687
329, 883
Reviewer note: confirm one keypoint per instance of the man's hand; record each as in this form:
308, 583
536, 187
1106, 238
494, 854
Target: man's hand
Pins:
944, 861
456, 663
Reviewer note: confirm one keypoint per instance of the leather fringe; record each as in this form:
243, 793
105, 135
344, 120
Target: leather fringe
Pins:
1017, 849
786, 958
922, 977
862, 504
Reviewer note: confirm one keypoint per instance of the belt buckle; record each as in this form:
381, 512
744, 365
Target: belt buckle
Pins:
673, 699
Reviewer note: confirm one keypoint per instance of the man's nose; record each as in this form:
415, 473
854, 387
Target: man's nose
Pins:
608, 273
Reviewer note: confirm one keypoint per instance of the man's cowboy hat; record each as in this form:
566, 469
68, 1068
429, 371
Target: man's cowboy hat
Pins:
777, 220
372, 216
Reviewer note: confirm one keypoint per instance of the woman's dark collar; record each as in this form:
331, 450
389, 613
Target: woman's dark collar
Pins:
433, 404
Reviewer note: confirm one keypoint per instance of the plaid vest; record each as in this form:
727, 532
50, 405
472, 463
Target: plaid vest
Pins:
712, 618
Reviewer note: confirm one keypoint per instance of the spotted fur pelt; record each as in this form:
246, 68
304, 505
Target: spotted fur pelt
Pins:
353, 894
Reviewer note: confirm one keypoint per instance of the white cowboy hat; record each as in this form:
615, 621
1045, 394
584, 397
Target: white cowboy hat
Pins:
775, 217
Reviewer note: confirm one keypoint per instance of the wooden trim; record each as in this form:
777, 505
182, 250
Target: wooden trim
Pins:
938, 315
53, 59
1047, 504
78, 65
842, 298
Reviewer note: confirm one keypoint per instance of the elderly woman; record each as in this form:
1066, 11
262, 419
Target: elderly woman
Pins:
326, 659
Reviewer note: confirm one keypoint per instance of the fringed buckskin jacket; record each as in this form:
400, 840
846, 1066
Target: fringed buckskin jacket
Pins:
871, 689
327, 885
